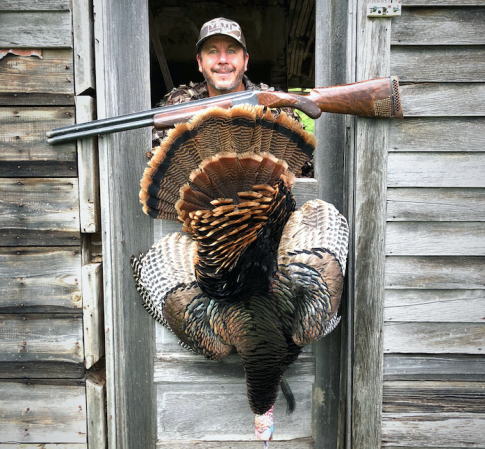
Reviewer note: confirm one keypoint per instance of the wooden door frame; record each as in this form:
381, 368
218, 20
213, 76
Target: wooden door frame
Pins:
123, 86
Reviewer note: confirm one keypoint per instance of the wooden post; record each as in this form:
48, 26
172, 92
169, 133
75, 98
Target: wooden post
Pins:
122, 80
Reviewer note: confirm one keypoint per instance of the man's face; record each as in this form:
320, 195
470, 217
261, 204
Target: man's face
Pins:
223, 64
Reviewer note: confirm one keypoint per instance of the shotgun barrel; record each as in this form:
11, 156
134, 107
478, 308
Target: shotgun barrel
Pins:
372, 98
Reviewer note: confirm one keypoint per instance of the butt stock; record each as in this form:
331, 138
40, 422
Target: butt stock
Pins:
373, 98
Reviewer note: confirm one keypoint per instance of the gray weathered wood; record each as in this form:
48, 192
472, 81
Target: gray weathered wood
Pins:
39, 211
300, 443
436, 170
82, 18
372, 135
95, 410
41, 337
435, 272
443, 99
122, 86
40, 277
465, 306
92, 290
190, 367
43, 446
42, 370
434, 338
87, 152
437, 134
435, 239
29, 5
208, 412
443, 2
44, 29
23, 147
444, 429
439, 26
438, 64
408, 204
32, 412
22, 99
434, 397
53, 74
449, 367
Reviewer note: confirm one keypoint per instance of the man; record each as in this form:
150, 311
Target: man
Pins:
222, 58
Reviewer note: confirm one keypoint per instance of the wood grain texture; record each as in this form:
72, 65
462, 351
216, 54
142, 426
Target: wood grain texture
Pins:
23, 146
27, 99
372, 136
42, 370
93, 326
123, 86
441, 134
447, 204
40, 278
453, 306
442, 367
435, 239
443, 99
436, 170
53, 74
88, 167
300, 443
82, 17
41, 337
443, 2
443, 429
434, 338
451, 25
43, 446
36, 29
438, 64
31, 406
28, 5
221, 412
95, 409
433, 397
435, 272
39, 211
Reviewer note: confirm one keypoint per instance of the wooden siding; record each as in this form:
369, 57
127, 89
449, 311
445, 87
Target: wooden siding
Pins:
434, 312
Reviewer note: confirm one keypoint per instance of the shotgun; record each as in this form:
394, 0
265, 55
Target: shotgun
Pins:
372, 98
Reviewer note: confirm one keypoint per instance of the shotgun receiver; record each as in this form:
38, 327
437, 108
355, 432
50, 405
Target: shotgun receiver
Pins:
373, 98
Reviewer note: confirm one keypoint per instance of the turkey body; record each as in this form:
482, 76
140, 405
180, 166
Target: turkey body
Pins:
251, 274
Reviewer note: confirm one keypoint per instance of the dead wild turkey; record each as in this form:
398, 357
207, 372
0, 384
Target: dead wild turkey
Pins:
254, 275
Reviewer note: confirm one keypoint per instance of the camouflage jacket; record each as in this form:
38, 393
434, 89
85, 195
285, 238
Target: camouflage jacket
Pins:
184, 94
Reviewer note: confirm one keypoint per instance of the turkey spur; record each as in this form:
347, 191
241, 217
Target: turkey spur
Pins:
250, 273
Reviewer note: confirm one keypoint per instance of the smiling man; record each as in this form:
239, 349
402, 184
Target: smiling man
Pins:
223, 58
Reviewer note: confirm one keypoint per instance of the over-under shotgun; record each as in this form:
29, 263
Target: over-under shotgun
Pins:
373, 98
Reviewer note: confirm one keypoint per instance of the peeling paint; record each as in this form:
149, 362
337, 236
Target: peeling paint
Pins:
21, 52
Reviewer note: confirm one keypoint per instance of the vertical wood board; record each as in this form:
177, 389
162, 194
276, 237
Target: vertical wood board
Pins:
95, 410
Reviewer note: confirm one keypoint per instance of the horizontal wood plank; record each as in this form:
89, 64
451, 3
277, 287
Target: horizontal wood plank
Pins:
42, 370
435, 204
22, 99
451, 306
300, 443
39, 211
443, 99
36, 29
443, 367
41, 337
442, 2
423, 134
53, 74
42, 446
436, 170
29, 5
435, 272
50, 413
434, 338
40, 279
433, 397
442, 429
438, 64
195, 368
439, 26
435, 238
221, 412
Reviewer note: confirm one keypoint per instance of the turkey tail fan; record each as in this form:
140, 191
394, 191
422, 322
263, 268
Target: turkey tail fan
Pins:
218, 154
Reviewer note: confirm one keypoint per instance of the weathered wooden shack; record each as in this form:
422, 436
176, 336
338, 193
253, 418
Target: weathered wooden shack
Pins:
81, 362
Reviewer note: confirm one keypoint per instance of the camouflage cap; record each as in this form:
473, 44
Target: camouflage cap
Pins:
221, 26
